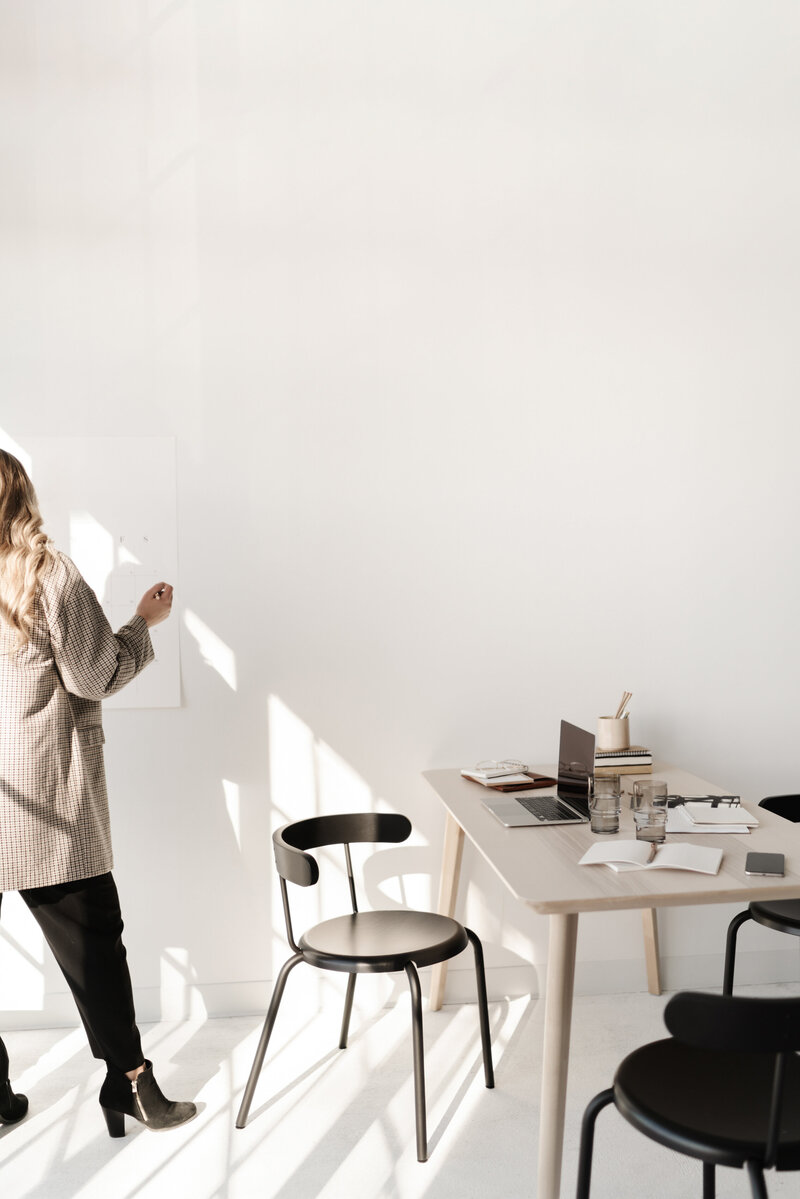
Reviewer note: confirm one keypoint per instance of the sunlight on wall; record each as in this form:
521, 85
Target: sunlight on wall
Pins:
125, 557
93, 546
21, 958
213, 650
341, 788
180, 999
233, 805
307, 777
292, 764
8, 443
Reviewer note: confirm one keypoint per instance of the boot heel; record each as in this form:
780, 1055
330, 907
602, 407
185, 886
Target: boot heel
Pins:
115, 1122
12, 1107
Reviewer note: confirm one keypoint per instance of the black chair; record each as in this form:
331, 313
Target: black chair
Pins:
725, 1088
365, 942
782, 915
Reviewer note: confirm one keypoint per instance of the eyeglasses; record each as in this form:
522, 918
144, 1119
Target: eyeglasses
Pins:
730, 801
501, 766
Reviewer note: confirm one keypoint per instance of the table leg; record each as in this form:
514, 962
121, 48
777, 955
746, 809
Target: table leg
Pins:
448, 890
650, 930
557, 1023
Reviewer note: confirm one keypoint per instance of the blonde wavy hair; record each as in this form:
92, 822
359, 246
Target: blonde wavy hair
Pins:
25, 550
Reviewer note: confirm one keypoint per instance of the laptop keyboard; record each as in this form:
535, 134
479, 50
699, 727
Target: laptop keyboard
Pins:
543, 807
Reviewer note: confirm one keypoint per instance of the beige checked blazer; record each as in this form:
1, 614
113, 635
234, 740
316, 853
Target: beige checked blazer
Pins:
54, 824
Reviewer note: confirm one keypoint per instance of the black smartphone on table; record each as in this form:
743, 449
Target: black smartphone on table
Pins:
770, 864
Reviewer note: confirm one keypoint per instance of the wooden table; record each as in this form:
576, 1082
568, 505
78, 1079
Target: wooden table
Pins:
540, 868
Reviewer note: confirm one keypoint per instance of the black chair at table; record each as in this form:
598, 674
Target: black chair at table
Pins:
782, 915
724, 1088
365, 942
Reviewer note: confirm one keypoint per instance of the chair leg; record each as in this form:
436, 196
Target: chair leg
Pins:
593, 1109
709, 1181
419, 1061
730, 950
757, 1184
266, 1033
348, 1007
483, 1009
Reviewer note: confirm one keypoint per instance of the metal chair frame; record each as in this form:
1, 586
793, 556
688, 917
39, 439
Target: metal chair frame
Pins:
783, 916
296, 865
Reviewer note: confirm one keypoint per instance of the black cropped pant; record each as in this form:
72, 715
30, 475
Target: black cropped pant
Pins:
82, 924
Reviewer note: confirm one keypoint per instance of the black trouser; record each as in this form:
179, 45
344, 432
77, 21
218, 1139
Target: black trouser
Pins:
82, 924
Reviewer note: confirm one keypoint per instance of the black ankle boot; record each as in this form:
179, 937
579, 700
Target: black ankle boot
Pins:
12, 1107
142, 1099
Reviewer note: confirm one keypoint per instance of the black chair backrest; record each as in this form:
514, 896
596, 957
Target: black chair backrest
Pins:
293, 840
787, 806
731, 1022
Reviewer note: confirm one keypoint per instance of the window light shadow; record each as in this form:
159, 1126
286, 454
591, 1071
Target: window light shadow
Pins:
180, 998
213, 650
233, 806
11, 446
21, 957
91, 547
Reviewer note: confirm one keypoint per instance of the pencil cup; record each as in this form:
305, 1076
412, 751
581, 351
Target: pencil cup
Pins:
612, 733
604, 804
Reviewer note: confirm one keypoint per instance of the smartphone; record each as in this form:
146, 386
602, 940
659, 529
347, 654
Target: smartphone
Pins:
764, 863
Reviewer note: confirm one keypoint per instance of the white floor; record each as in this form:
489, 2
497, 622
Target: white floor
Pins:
332, 1124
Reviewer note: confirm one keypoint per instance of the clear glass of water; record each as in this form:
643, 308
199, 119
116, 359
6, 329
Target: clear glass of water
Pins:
648, 793
651, 824
605, 803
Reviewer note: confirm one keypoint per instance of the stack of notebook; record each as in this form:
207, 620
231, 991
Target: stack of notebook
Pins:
500, 779
633, 760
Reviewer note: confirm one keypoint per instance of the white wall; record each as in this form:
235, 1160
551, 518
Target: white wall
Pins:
476, 326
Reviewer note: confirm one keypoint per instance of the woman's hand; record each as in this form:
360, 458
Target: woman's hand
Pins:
156, 604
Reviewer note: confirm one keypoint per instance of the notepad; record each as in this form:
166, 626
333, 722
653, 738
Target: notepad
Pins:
705, 813
679, 820
634, 855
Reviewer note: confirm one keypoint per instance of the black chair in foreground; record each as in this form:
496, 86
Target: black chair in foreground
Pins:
365, 942
724, 1088
782, 915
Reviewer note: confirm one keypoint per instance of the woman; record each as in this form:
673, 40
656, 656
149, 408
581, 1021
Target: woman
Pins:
58, 659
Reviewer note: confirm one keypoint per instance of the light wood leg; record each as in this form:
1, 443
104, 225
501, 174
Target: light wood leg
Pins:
448, 891
650, 930
557, 1024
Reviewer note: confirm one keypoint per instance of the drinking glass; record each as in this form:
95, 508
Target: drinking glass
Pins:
649, 804
651, 824
648, 792
605, 803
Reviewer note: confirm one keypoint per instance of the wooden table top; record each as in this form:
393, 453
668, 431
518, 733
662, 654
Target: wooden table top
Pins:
540, 865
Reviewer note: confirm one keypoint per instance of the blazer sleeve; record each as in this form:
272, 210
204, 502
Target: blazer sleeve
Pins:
92, 660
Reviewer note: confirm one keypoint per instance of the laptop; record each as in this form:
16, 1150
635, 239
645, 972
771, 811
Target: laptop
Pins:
570, 805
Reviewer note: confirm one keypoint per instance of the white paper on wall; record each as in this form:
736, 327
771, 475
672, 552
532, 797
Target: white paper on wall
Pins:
110, 504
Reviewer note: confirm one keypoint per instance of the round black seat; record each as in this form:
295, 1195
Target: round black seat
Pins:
708, 1104
373, 942
782, 915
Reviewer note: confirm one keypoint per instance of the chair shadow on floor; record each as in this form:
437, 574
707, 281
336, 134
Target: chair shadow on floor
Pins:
357, 1118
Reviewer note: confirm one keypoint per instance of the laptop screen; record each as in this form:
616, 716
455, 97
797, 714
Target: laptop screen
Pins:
575, 766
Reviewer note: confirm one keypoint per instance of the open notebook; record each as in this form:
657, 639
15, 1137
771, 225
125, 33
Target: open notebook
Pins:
635, 855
